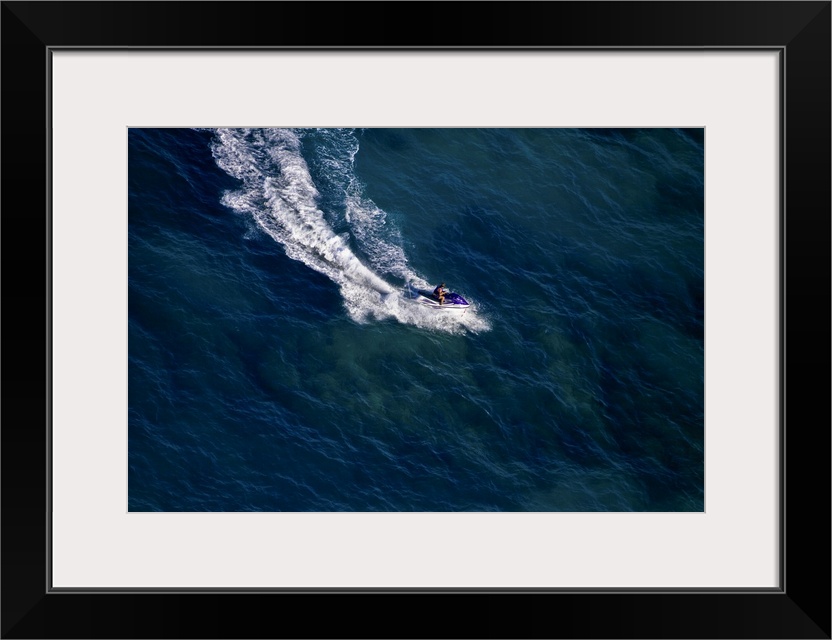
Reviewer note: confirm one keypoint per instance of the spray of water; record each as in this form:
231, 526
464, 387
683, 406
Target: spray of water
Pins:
277, 191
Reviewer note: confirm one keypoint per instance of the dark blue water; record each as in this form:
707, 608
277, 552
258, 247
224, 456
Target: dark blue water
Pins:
274, 365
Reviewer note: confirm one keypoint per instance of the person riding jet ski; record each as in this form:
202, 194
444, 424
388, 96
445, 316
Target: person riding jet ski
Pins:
438, 298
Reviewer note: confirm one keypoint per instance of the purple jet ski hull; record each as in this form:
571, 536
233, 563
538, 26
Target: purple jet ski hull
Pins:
453, 301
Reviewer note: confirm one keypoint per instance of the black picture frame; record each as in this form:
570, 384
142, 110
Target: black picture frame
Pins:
800, 31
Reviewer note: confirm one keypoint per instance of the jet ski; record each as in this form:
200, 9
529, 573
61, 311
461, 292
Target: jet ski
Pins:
453, 301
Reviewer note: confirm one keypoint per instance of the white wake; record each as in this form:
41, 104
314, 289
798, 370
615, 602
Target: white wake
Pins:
279, 194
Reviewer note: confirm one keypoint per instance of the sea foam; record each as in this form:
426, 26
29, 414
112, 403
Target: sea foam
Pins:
279, 194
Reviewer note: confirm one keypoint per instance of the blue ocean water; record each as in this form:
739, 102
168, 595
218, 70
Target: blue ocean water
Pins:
274, 365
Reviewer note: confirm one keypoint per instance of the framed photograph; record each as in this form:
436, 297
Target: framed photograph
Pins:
614, 418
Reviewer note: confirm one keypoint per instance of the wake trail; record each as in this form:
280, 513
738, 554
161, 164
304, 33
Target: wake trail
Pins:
279, 194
